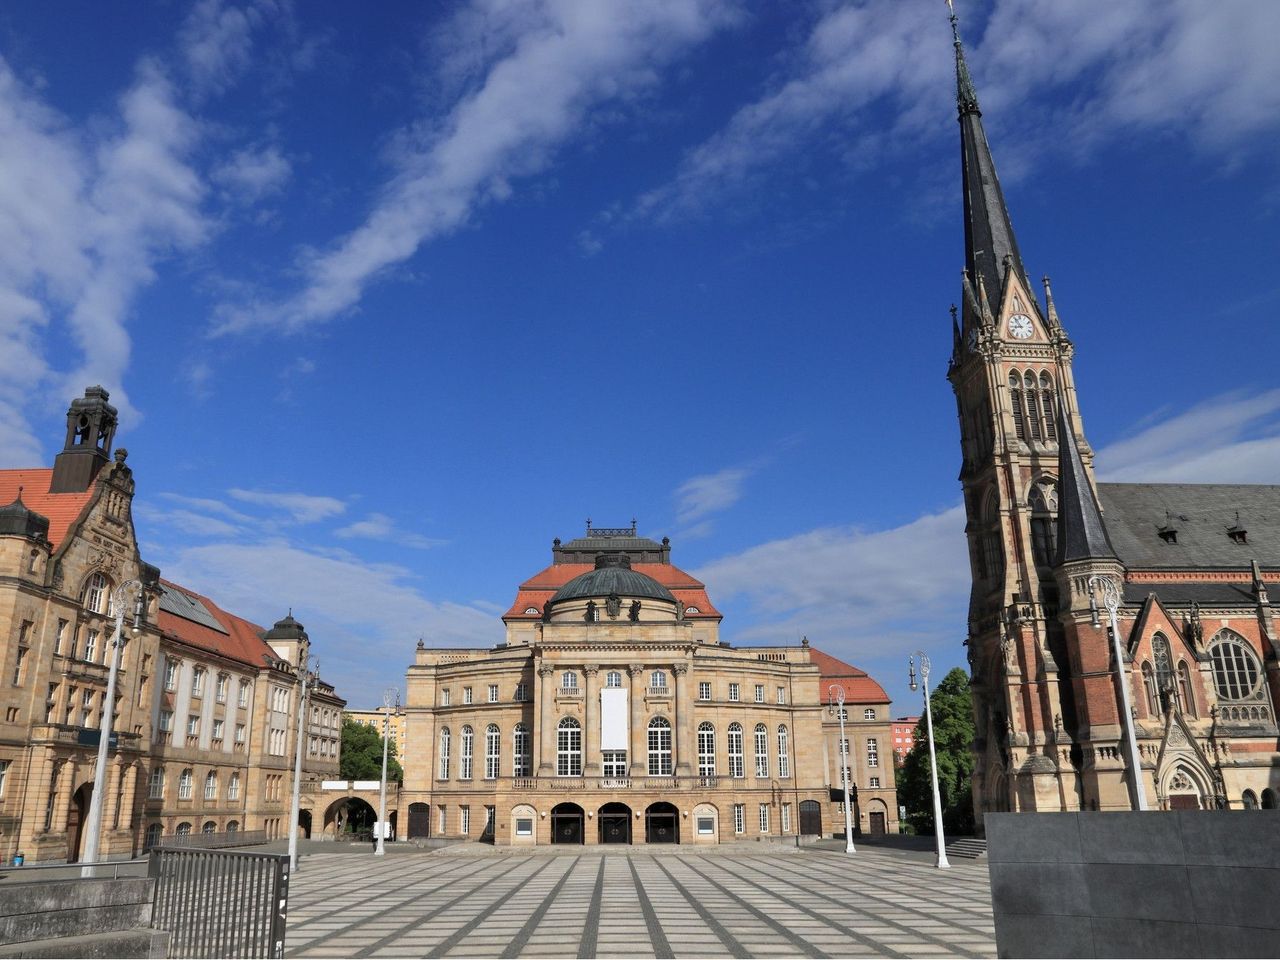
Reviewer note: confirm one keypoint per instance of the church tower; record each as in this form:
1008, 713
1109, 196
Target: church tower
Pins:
91, 425
1010, 369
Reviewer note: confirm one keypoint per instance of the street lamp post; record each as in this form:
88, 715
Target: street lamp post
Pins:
835, 704
93, 826
1111, 600
295, 807
388, 696
941, 861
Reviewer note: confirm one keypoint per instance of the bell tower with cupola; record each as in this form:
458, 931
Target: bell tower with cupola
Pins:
91, 425
1010, 369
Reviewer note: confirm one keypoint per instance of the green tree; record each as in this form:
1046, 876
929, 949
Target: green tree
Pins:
362, 753
953, 740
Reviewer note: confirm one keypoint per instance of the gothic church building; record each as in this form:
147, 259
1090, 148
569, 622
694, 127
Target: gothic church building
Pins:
1192, 565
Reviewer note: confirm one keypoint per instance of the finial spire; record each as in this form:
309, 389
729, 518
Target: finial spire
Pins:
966, 95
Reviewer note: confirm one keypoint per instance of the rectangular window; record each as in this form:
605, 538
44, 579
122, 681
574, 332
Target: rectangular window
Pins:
446, 696
493, 693
464, 820
233, 787
18, 666
197, 682
704, 690
91, 646
221, 694
706, 826
59, 636
243, 696
444, 820
217, 729
614, 763
524, 826
764, 818
51, 701
522, 692
170, 674
466, 694
786, 818
166, 721
875, 783
734, 693
782, 694
239, 733
193, 725
759, 693
739, 818
156, 787
873, 752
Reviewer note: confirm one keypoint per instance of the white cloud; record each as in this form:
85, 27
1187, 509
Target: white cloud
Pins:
379, 526
253, 172
563, 59
699, 497
1206, 444
301, 507
216, 42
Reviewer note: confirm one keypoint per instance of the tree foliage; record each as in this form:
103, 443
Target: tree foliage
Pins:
953, 739
362, 753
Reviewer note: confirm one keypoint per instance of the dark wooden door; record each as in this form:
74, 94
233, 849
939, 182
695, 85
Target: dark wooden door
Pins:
810, 818
419, 820
1184, 801
566, 828
877, 824
615, 828
661, 828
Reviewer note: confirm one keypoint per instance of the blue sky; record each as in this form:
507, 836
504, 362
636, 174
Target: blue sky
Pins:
390, 297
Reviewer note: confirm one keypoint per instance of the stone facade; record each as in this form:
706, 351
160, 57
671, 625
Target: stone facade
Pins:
1192, 566
614, 713
198, 694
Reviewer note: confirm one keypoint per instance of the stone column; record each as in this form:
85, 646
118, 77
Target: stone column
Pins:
546, 735
639, 760
130, 795
681, 738
111, 802
591, 720
66, 786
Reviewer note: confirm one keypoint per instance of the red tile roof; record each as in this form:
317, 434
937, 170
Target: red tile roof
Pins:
242, 641
542, 586
62, 509
858, 686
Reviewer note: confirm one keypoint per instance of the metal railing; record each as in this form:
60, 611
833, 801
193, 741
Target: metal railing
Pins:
102, 870
221, 903
211, 841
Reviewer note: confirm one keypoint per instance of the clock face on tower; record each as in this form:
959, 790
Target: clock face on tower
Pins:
1020, 326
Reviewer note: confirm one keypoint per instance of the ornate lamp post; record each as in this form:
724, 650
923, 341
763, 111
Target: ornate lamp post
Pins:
941, 861
835, 707
306, 681
1111, 600
93, 826
390, 695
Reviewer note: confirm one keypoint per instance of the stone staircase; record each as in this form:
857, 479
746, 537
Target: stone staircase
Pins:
79, 918
967, 848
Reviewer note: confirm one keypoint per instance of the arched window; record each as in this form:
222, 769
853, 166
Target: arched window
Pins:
1043, 502
492, 750
569, 680
184, 785
1235, 668
1268, 799
736, 768
1153, 695
521, 752
445, 743
762, 750
95, 593
154, 832
468, 751
613, 679
1249, 800
992, 561
1032, 397
1164, 666
569, 748
1046, 406
233, 826
1184, 689
660, 747
156, 789
1015, 402
706, 750
211, 786
233, 789
784, 753
184, 830
658, 680
209, 827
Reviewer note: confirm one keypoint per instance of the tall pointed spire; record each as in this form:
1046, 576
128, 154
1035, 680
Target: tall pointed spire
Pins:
988, 231
1081, 533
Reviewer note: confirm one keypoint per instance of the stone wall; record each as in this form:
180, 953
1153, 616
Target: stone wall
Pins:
1194, 883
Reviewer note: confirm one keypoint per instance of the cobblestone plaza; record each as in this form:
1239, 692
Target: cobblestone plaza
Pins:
813, 903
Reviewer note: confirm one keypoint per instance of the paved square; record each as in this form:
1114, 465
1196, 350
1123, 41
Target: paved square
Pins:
811, 903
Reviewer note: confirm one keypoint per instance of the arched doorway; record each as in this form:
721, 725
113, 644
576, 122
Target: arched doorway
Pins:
350, 818
1183, 792
877, 819
661, 823
614, 820
419, 820
1268, 799
304, 823
810, 818
75, 821
566, 823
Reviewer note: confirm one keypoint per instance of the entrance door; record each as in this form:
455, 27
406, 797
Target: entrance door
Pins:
566, 823
615, 823
661, 824
877, 824
75, 822
810, 818
419, 820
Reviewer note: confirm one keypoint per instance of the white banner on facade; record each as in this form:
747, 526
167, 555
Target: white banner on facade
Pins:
613, 719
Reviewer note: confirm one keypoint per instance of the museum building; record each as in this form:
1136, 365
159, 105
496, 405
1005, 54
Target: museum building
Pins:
614, 713
1188, 569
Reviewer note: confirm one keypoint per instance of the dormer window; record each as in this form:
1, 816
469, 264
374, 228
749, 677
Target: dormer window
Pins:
531, 610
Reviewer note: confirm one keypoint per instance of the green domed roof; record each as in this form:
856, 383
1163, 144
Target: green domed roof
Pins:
613, 575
